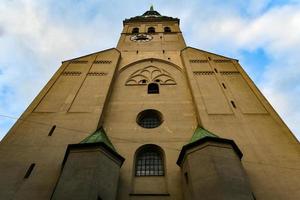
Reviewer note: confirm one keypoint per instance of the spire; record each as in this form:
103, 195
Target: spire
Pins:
151, 13
151, 8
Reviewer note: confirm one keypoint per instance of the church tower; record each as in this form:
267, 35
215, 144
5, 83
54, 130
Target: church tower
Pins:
150, 119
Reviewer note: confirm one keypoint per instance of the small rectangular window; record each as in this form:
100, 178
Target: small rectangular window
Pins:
153, 88
29, 170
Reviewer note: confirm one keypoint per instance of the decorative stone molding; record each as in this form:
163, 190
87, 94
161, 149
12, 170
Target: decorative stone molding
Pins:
97, 74
71, 73
78, 61
102, 62
150, 74
198, 73
229, 72
198, 61
221, 60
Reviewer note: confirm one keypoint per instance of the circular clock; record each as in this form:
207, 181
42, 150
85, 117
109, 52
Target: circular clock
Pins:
141, 38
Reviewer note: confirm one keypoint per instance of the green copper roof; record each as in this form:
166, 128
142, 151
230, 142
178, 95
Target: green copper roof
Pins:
201, 133
150, 15
151, 8
98, 136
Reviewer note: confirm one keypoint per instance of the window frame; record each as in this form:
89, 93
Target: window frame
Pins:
167, 29
135, 30
153, 90
151, 29
159, 167
148, 114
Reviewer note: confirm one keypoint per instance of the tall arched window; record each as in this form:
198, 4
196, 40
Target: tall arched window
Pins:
167, 29
135, 30
149, 161
151, 30
153, 88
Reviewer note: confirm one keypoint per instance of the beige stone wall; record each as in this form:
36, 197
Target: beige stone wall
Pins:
161, 41
221, 175
73, 100
271, 152
179, 122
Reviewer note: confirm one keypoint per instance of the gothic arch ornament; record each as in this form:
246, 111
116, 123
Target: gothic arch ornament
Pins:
150, 74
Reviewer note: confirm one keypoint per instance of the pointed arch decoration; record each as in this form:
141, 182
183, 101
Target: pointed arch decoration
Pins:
150, 74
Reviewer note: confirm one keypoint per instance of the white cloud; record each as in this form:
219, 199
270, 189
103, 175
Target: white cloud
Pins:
277, 32
33, 43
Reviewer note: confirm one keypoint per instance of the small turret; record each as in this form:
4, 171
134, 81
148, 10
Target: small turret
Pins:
211, 169
90, 170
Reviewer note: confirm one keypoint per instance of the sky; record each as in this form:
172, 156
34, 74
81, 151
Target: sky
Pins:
36, 35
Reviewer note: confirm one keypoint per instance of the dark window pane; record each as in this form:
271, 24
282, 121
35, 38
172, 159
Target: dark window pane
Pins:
149, 163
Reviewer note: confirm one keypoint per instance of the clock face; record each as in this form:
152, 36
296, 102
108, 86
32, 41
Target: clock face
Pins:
141, 38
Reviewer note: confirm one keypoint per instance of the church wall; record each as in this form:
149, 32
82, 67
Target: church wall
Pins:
271, 152
179, 123
161, 41
29, 141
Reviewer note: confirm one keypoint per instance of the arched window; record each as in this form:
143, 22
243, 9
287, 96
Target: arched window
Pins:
135, 30
167, 29
149, 161
153, 88
151, 30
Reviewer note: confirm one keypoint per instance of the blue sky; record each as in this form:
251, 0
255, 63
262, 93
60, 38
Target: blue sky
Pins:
36, 35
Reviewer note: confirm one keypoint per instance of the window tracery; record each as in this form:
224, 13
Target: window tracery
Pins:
150, 74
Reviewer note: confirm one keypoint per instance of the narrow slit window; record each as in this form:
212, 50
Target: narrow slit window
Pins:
52, 130
233, 104
153, 88
186, 177
216, 70
224, 86
30, 169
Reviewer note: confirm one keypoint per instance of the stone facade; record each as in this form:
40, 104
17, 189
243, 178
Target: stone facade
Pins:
110, 88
